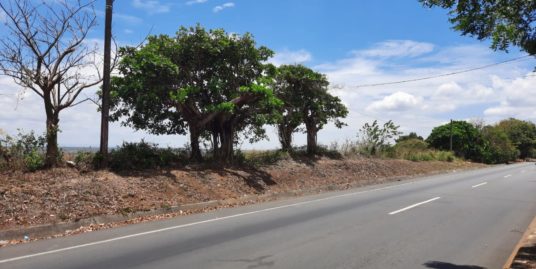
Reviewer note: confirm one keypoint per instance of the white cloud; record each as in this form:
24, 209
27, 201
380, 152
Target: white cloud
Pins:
398, 101
151, 6
517, 99
291, 57
397, 48
219, 8
193, 2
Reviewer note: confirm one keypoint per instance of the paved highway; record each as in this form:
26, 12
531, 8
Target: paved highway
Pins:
463, 220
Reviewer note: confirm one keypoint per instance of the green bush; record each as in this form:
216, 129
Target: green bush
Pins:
417, 150
25, 152
142, 155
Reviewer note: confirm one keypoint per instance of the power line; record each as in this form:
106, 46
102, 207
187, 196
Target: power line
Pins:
441, 75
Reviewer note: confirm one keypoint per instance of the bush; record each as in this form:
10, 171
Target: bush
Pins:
417, 150
142, 155
86, 161
25, 151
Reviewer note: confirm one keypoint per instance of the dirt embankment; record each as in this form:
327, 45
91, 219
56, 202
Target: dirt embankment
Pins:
60, 195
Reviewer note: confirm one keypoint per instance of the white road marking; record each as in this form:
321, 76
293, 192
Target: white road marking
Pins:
197, 223
414, 205
478, 185
507, 176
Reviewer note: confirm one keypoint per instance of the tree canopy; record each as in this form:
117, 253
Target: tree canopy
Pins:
505, 22
307, 101
211, 83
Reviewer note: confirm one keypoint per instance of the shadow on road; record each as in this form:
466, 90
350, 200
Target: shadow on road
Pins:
446, 265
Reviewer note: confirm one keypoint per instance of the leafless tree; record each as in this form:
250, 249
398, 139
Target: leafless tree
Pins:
46, 52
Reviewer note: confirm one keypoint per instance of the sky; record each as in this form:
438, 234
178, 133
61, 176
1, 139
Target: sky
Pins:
355, 43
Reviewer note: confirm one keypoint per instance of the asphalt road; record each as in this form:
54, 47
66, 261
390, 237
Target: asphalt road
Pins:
463, 220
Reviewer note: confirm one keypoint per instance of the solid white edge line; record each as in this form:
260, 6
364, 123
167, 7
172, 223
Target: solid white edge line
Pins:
414, 205
196, 223
478, 185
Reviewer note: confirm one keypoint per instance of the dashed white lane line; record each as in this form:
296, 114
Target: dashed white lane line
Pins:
507, 176
478, 185
414, 205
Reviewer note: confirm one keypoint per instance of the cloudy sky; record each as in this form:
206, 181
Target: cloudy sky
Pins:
356, 43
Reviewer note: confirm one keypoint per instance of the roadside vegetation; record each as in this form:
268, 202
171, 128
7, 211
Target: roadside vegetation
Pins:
220, 90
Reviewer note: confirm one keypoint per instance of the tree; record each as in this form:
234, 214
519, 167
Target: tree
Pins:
466, 139
506, 22
305, 98
46, 53
105, 106
210, 83
376, 138
522, 134
497, 146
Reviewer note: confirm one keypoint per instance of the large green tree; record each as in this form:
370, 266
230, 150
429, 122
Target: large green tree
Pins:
497, 146
466, 139
306, 101
522, 134
505, 22
213, 83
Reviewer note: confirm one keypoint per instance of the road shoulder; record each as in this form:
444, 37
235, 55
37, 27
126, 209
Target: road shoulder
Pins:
524, 254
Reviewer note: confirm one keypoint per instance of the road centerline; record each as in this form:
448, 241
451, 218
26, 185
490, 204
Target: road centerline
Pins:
413, 205
478, 185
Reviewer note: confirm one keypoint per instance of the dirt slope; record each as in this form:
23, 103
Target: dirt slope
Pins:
59, 195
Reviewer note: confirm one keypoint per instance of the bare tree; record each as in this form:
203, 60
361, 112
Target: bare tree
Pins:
46, 52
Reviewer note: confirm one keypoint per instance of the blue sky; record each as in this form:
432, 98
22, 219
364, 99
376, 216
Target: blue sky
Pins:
352, 42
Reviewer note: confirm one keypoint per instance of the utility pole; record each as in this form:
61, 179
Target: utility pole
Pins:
105, 108
450, 134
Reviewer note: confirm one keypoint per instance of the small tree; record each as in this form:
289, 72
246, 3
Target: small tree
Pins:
45, 52
375, 138
305, 101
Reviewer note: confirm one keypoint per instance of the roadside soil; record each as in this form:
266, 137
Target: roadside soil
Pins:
65, 194
525, 257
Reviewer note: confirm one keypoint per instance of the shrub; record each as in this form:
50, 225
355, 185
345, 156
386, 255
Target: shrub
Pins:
417, 150
25, 151
86, 161
142, 155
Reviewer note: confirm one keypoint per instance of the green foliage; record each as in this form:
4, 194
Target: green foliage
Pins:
374, 139
409, 136
467, 141
208, 82
522, 134
34, 160
415, 149
498, 147
25, 151
86, 161
306, 101
505, 22
142, 155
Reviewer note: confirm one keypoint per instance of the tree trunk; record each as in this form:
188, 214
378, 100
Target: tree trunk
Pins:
227, 143
105, 109
195, 154
52, 154
285, 137
311, 139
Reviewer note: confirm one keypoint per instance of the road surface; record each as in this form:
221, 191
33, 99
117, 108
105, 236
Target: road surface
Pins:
459, 220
